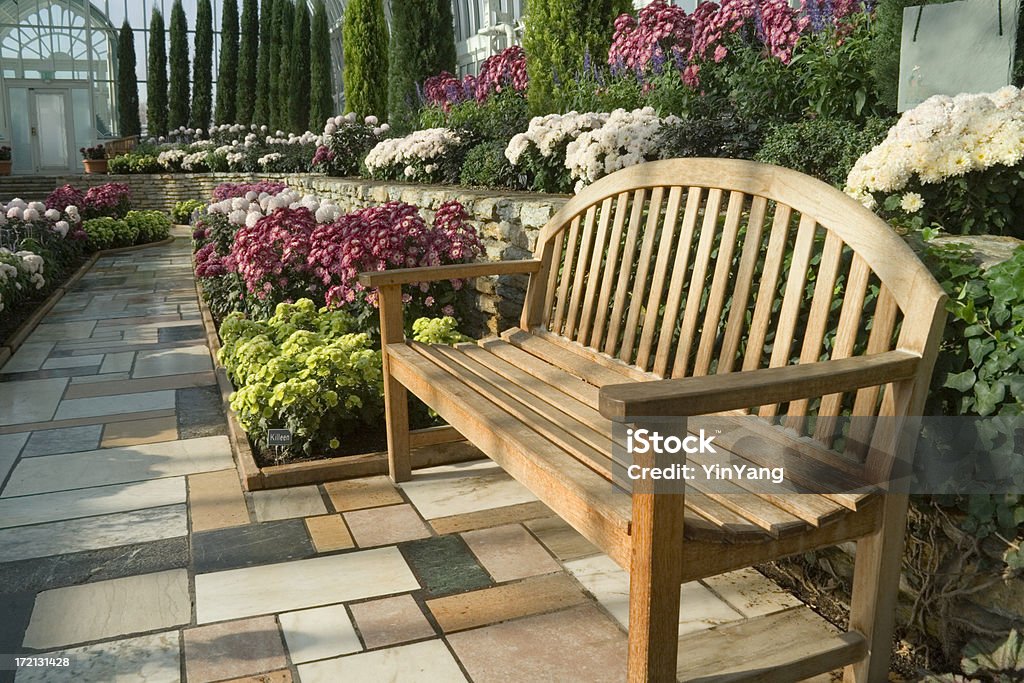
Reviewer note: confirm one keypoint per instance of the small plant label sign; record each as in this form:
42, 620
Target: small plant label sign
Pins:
279, 437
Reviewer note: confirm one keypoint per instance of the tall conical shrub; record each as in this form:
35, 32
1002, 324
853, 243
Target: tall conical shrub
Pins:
558, 34
127, 83
177, 97
422, 45
280, 114
248, 46
227, 70
156, 83
298, 91
202, 68
261, 111
365, 47
273, 109
321, 84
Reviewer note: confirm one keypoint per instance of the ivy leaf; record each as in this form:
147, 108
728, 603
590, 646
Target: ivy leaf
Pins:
993, 657
961, 381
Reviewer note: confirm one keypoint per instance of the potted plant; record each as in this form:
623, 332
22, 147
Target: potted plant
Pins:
95, 159
5, 160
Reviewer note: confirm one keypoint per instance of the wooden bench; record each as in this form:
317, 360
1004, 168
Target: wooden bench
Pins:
714, 288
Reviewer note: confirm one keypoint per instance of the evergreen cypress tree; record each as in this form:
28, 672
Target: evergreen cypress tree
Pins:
227, 70
321, 84
177, 105
280, 112
127, 83
202, 68
273, 110
156, 84
365, 47
298, 92
558, 34
261, 111
248, 46
422, 45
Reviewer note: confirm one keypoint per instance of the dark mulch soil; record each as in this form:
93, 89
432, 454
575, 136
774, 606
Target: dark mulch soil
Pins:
367, 440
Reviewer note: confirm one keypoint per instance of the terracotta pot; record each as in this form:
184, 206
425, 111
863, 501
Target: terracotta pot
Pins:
5, 167
95, 165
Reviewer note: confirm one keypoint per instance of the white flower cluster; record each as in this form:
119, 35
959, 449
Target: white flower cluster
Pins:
35, 212
252, 207
547, 133
17, 267
943, 137
427, 146
171, 159
332, 124
627, 138
268, 159
195, 161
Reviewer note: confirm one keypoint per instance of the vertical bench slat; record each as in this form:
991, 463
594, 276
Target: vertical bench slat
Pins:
610, 269
766, 291
865, 404
678, 281
567, 268
594, 273
723, 272
581, 271
744, 279
792, 299
628, 253
668, 237
551, 289
636, 300
817, 320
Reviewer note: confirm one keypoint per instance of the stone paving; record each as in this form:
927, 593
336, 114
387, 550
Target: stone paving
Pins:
128, 545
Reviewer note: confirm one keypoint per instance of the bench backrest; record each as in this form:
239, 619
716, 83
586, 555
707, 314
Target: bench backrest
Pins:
691, 267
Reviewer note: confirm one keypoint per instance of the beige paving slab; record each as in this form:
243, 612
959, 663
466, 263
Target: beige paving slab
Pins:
426, 662
328, 533
47, 473
216, 500
390, 621
115, 405
139, 432
561, 539
509, 552
488, 518
29, 401
135, 386
319, 633
509, 601
465, 487
234, 648
750, 592
282, 676
106, 609
357, 494
287, 586
287, 503
385, 526
28, 358
154, 658
179, 361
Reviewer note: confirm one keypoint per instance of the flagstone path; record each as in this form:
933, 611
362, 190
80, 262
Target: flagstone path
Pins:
128, 546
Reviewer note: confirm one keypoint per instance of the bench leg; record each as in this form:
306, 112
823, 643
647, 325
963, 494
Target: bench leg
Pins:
396, 400
876, 579
654, 586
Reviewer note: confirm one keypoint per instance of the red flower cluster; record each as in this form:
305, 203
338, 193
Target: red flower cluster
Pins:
209, 263
109, 199
233, 190
65, 196
446, 90
271, 255
656, 30
501, 71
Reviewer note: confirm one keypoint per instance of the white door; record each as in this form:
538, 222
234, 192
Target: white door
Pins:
49, 128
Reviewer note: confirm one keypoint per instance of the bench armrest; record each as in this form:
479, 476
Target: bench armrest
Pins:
457, 271
716, 393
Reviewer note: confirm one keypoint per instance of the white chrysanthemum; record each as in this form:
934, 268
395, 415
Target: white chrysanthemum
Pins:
52, 215
912, 202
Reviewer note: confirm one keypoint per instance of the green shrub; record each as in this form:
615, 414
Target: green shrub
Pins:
127, 84
824, 148
109, 233
156, 85
181, 214
725, 136
321, 81
248, 44
498, 118
134, 162
149, 226
178, 103
202, 68
285, 27
487, 166
227, 69
422, 45
298, 80
261, 107
365, 72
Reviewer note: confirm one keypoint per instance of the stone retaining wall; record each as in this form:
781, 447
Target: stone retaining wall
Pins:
509, 222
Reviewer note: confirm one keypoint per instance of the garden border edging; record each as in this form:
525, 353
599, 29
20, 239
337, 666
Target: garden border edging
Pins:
447, 446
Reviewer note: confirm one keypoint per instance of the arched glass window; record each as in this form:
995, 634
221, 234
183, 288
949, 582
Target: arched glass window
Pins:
55, 40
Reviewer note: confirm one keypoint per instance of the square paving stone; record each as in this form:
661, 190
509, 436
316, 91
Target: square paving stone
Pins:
66, 440
510, 552
15, 612
296, 501
561, 539
62, 331
117, 362
216, 500
579, 644
319, 633
232, 649
390, 621
465, 487
356, 494
200, 412
445, 565
250, 545
154, 658
287, 586
386, 525
30, 400
138, 432
426, 662
750, 592
178, 361
185, 333
29, 357
328, 533
94, 611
